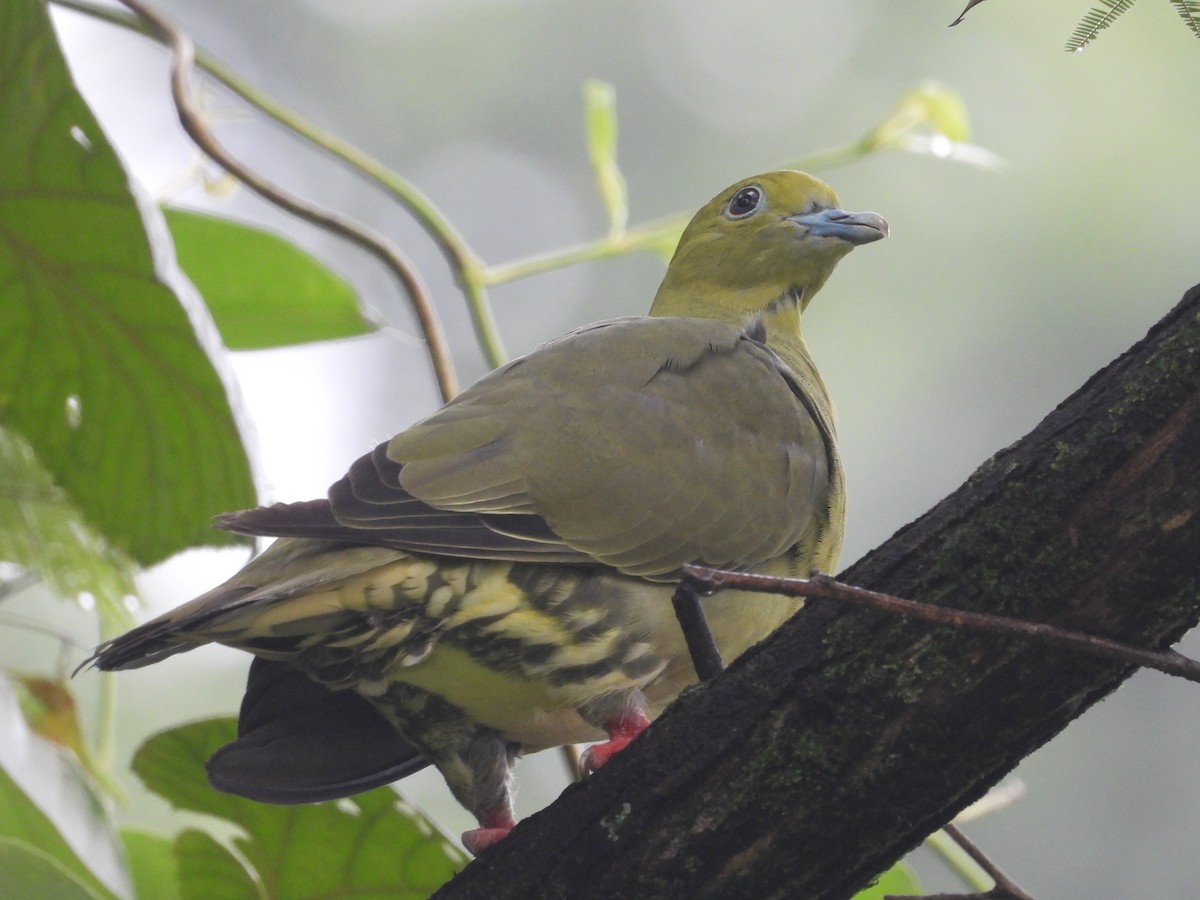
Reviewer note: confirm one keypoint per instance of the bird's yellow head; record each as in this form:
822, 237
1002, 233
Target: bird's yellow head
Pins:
761, 242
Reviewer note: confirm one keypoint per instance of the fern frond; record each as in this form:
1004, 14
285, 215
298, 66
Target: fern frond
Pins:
1189, 11
1096, 21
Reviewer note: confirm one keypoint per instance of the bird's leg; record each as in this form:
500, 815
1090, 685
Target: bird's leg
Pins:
477, 765
494, 825
622, 728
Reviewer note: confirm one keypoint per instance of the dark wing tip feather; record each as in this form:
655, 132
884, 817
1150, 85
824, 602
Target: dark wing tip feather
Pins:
308, 518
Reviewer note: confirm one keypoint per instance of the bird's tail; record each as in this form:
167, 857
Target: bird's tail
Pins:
174, 632
291, 569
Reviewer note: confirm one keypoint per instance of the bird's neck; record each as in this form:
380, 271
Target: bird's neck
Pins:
778, 307
777, 312
781, 322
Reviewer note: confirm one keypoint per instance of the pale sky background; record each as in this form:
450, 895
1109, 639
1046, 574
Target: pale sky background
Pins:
996, 296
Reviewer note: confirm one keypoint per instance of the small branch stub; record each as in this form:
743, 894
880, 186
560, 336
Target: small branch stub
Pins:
706, 658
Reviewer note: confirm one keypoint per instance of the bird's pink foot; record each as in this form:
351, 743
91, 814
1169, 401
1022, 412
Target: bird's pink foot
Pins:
494, 826
621, 731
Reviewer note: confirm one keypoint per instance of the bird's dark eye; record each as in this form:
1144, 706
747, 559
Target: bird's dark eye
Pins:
745, 202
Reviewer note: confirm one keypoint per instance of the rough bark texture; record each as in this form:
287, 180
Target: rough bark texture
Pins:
833, 748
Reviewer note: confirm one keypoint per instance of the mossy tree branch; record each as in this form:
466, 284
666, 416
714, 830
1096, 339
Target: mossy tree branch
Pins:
829, 751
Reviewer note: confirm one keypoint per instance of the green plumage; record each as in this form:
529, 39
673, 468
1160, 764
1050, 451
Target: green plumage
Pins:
571, 454
496, 579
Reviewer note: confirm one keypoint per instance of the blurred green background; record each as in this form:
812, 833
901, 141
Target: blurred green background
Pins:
996, 296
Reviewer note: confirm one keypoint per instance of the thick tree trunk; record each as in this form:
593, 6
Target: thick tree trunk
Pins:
833, 748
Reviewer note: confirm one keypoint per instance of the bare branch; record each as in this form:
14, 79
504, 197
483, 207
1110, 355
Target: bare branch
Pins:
1005, 888
1168, 661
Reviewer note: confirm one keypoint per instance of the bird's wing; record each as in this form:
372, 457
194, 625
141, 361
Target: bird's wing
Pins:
642, 444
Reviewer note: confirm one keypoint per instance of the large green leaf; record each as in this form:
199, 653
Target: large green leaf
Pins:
207, 869
152, 865
45, 803
104, 363
371, 845
262, 291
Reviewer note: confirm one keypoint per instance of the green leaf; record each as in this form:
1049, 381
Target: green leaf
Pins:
1096, 21
152, 864
104, 367
30, 872
45, 803
207, 869
928, 119
262, 291
932, 106
600, 120
941, 108
43, 531
371, 845
899, 880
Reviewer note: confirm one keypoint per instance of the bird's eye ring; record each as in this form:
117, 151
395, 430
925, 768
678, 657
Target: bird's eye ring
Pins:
745, 202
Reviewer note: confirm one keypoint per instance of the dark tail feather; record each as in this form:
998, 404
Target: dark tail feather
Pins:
299, 742
157, 639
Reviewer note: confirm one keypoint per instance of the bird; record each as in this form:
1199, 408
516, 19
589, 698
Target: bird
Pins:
496, 579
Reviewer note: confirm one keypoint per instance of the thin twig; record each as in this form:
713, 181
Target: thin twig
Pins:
105, 753
16, 584
192, 120
657, 235
646, 237
1168, 661
959, 861
16, 621
706, 658
1005, 888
